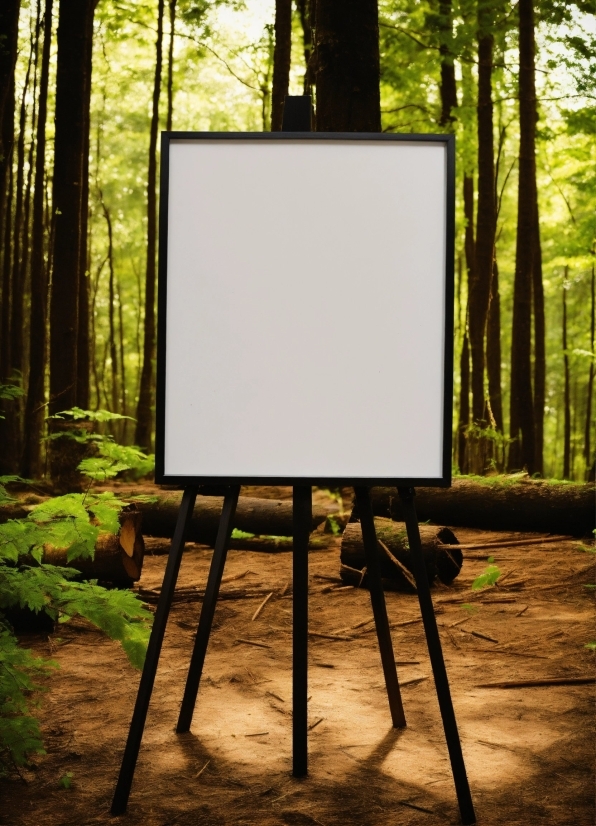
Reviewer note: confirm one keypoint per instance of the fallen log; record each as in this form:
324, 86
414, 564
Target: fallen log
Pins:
504, 505
265, 517
442, 557
118, 557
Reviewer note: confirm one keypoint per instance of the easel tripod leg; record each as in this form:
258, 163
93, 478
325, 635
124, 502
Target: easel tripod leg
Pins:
208, 609
458, 768
135, 734
377, 598
302, 519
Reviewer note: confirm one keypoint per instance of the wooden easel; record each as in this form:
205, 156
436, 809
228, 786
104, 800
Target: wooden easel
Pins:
297, 116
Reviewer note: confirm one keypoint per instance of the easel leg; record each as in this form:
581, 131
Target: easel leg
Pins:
377, 598
458, 768
131, 752
208, 609
302, 516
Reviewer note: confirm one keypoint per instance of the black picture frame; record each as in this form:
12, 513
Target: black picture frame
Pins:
184, 481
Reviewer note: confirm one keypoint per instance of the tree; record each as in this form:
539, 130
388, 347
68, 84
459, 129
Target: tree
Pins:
522, 407
144, 428
33, 419
68, 200
480, 283
281, 61
347, 66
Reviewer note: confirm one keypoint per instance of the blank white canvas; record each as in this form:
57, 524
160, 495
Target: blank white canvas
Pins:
305, 309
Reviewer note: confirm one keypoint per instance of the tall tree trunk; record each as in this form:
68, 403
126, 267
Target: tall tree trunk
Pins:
348, 66
9, 30
281, 61
83, 345
464, 406
448, 88
8, 144
522, 411
17, 287
539, 343
493, 351
37, 319
67, 321
144, 428
172, 8
588, 428
485, 221
464, 401
567, 397
111, 310
307, 11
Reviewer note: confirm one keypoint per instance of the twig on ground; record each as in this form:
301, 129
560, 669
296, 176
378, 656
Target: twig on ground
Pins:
547, 681
261, 606
253, 642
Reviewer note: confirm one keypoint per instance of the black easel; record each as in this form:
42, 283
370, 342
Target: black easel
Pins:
296, 118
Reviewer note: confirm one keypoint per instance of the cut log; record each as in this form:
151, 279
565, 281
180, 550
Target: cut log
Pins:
442, 556
118, 558
502, 505
268, 517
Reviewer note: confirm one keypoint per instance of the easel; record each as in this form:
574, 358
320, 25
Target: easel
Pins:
296, 118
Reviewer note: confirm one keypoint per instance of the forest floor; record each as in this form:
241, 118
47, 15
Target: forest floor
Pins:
529, 751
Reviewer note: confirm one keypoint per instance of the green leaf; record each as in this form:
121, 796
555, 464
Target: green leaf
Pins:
66, 780
487, 578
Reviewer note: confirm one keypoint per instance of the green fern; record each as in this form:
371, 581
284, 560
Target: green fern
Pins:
73, 523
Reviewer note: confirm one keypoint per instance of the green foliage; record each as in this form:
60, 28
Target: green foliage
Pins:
77, 413
114, 458
19, 730
72, 523
488, 577
66, 780
10, 392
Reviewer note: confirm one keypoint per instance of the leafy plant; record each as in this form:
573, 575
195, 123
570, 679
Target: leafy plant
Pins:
66, 780
73, 523
10, 392
488, 577
111, 458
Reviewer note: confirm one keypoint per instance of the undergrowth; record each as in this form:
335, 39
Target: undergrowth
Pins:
72, 523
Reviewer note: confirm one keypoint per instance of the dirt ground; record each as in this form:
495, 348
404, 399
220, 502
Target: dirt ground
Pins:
529, 751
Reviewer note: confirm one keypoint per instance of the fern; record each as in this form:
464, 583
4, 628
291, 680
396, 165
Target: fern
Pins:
72, 523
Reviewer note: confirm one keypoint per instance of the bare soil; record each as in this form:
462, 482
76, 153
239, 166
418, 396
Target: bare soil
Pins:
529, 751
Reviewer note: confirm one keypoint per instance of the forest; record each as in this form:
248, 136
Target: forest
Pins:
86, 88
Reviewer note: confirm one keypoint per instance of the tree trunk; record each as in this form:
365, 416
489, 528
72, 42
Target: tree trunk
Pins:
281, 61
522, 421
9, 27
70, 145
493, 351
464, 406
170, 114
307, 12
588, 427
347, 66
111, 311
567, 397
37, 320
448, 88
144, 428
439, 545
485, 223
499, 506
8, 144
539, 343
17, 287
83, 345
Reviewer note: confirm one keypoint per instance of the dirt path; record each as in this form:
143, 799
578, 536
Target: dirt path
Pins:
529, 751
